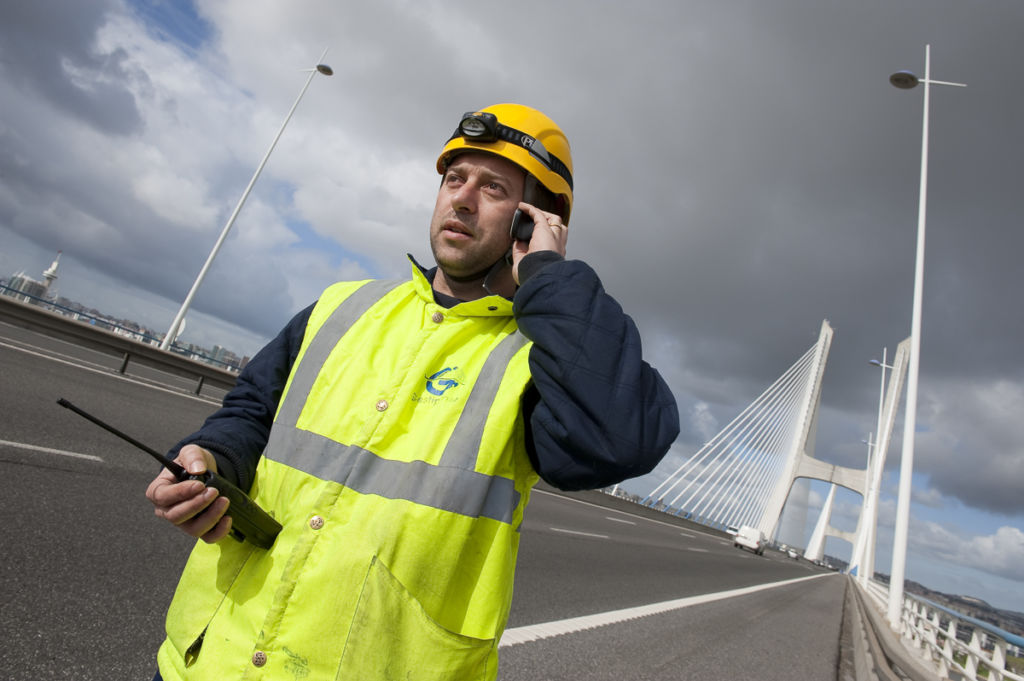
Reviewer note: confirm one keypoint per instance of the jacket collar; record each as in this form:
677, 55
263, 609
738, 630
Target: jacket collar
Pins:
488, 306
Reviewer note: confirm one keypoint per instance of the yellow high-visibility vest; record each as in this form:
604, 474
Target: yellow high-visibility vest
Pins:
397, 468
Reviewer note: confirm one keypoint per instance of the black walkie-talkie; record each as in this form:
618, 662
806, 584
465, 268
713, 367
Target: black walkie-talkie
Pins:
248, 521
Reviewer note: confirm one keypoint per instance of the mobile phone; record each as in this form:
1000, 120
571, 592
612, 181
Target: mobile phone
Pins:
522, 226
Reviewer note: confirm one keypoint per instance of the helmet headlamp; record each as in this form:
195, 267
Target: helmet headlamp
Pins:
484, 127
481, 127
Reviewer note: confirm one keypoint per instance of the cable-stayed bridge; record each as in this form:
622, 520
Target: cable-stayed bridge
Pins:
744, 474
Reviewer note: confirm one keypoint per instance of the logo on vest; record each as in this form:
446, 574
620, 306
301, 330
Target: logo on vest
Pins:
440, 385
443, 381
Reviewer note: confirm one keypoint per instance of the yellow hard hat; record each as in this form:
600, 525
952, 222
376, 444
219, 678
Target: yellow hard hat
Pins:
524, 136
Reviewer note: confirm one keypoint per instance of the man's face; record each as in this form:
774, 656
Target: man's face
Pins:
470, 228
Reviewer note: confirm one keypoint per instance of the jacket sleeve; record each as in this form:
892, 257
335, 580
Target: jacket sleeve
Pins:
599, 413
237, 433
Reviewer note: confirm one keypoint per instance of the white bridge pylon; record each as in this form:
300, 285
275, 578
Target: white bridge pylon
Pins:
744, 474
862, 561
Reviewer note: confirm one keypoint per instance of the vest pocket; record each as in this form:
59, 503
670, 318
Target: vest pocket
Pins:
393, 637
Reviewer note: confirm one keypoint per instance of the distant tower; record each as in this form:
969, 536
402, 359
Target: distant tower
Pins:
28, 290
50, 275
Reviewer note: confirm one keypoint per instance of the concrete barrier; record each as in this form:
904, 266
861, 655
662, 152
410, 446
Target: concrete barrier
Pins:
877, 652
39, 320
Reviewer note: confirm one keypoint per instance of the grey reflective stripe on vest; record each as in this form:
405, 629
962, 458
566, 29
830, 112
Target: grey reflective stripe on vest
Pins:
464, 443
451, 486
327, 336
457, 490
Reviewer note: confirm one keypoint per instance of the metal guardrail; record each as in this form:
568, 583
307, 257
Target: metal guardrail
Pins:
35, 318
932, 633
935, 628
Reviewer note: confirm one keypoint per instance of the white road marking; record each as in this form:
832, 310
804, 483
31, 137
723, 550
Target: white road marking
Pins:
536, 632
606, 509
48, 450
620, 520
581, 534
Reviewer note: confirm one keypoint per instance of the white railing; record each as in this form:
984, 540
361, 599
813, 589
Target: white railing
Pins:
937, 634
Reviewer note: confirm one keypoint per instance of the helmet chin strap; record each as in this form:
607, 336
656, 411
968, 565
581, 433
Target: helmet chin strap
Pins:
498, 266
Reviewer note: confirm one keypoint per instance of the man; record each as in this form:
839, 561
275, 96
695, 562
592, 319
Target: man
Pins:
395, 430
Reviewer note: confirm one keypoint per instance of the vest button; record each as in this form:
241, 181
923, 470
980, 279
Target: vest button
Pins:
382, 405
437, 317
316, 522
259, 658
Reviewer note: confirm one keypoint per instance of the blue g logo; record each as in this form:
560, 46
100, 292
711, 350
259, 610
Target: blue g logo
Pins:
442, 381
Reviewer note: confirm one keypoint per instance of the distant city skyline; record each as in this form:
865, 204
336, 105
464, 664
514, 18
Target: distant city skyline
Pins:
22, 286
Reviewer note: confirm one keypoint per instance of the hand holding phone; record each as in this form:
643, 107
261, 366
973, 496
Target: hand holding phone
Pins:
525, 222
528, 240
522, 226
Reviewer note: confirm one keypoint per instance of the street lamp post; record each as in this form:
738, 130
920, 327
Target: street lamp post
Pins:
858, 558
906, 80
867, 550
321, 68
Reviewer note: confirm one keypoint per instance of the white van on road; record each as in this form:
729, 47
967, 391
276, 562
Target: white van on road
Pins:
750, 538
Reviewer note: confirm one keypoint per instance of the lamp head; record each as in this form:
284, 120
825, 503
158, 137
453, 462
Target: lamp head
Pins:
904, 80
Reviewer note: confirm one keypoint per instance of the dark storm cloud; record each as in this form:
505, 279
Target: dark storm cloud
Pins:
972, 455
52, 202
62, 195
743, 195
49, 47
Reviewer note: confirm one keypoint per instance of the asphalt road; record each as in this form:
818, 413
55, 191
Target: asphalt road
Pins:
577, 559
88, 571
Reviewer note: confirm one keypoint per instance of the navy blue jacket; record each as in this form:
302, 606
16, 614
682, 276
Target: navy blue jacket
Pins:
596, 413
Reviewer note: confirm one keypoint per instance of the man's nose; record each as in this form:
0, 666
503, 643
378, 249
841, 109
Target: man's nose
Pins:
464, 199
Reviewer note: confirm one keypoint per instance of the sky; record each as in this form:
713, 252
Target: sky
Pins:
743, 171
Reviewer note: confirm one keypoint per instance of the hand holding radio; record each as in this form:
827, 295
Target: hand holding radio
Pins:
190, 494
189, 504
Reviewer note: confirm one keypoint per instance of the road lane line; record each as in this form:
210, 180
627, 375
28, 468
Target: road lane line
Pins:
620, 520
615, 510
48, 450
581, 534
53, 353
536, 632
